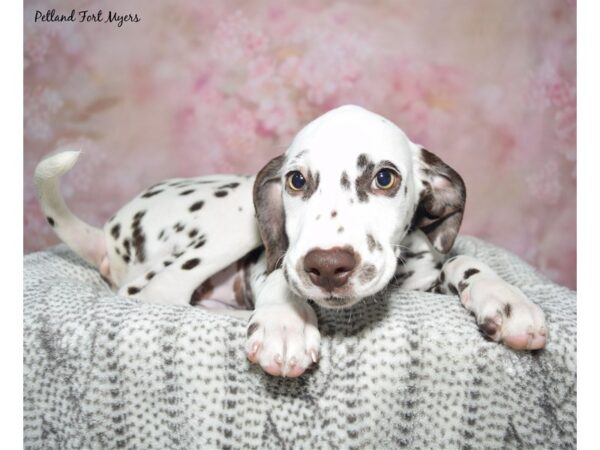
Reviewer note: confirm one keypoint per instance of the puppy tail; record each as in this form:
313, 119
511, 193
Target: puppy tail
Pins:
85, 240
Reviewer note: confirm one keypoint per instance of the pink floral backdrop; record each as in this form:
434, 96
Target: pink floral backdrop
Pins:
222, 86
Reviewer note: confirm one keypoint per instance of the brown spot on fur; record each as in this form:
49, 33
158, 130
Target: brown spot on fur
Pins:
196, 206
418, 255
139, 238
127, 246
249, 260
333, 213
470, 272
367, 273
221, 193
190, 263
133, 290
362, 161
50, 220
202, 292
452, 289
251, 329
188, 192
400, 278
312, 184
489, 327
507, 310
371, 242
434, 286
115, 231
462, 285
151, 194
345, 181
340, 229
364, 180
229, 186
150, 275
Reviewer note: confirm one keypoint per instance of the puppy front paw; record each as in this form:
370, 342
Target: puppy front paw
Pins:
505, 314
283, 339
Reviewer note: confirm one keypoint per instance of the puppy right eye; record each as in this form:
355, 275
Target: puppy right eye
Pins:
296, 181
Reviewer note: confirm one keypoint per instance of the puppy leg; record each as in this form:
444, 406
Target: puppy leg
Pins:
283, 337
502, 311
175, 283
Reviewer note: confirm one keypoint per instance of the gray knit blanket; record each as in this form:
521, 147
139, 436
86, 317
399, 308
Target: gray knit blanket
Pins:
404, 370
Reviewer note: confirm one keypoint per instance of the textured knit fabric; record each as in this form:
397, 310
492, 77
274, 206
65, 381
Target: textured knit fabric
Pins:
403, 370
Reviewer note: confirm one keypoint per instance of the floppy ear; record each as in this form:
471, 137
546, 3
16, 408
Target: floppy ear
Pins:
268, 204
441, 200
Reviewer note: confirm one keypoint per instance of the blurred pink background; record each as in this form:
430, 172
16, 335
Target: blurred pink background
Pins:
201, 87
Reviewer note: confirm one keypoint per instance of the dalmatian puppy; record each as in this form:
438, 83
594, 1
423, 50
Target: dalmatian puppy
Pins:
352, 206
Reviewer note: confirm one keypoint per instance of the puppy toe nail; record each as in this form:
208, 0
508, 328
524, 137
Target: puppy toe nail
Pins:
313, 356
278, 359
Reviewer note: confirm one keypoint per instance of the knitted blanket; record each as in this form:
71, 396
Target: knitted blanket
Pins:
404, 370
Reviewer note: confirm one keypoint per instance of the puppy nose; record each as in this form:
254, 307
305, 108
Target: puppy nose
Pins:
329, 269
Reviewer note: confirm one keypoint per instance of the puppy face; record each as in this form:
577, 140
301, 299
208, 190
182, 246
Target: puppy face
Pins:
334, 208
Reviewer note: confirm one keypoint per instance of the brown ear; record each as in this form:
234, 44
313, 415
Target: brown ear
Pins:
268, 204
441, 201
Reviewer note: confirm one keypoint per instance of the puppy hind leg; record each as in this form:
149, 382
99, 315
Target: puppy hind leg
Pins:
175, 283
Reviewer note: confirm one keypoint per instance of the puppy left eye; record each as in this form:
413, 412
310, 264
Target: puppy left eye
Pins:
385, 179
296, 181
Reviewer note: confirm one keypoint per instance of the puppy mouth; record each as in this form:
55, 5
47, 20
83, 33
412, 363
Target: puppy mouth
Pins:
340, 296
334, 302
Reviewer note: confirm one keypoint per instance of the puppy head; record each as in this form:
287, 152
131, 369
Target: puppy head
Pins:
333, 210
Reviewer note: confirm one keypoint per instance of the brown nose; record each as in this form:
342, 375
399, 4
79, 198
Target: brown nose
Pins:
329, 269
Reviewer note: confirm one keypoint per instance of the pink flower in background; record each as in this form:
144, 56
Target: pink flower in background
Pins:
202, 87
548, 91
236, 39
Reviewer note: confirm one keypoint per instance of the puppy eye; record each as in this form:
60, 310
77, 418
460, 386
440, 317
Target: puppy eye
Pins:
385, 179
296, 181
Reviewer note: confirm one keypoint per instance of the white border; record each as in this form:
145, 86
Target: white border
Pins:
11, 233
588, 223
